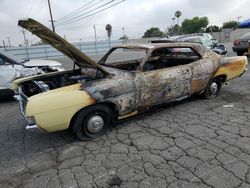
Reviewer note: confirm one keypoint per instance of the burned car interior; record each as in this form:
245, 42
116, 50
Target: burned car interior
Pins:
170, 57
160, 58
132, 58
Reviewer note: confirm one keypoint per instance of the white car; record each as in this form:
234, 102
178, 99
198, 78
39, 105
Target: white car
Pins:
12, 68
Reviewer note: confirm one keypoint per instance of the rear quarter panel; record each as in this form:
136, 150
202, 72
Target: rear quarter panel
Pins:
232, 67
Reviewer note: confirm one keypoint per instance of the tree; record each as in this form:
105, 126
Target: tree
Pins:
124, 37
213, 28
153, 32
108, 28
175, 30
194, 25
178, 15
230, 25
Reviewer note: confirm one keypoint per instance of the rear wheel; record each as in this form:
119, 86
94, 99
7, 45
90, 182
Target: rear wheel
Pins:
92, 122
212, 89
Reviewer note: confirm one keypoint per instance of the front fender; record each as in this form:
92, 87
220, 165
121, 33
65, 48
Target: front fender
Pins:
53, 110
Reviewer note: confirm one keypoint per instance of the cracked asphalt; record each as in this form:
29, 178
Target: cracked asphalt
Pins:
192, 143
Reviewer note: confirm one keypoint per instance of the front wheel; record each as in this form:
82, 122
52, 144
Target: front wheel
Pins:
212, 89
92, 122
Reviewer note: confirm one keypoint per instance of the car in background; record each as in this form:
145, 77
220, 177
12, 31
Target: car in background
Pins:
12, 68
208, 43
240, 46
89, 98
192, 38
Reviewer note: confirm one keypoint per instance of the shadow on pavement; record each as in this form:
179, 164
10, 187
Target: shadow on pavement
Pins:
6, 98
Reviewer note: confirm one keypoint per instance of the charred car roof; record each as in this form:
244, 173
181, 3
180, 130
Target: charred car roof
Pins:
152, 46
159, 45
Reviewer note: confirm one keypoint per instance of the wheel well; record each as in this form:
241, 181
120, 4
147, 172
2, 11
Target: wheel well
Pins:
111, 105
221, 78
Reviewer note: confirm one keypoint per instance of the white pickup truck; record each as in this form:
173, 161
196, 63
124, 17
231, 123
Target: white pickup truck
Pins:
12, 68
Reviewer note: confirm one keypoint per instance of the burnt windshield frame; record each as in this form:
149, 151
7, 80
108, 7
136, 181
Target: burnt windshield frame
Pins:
103, 60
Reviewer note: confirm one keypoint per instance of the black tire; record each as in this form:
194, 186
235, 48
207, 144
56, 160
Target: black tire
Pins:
84, 124
240, 53
212, 89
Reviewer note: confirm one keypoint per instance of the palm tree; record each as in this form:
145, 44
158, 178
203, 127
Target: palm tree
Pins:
177, 15
108, 28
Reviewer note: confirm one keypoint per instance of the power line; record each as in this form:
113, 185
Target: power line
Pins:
35, 7
41, 8
80, 18
76, 17
114, 27
75, 11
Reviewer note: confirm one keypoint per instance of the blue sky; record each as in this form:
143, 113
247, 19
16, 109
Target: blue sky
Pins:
133, 15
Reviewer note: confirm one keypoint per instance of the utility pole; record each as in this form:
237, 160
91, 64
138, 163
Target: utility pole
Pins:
51, 17
4, 44
173, 21
24, 37
123, 34
25, 43
81, 44
238, 18
95, 39
9, 41
173, 26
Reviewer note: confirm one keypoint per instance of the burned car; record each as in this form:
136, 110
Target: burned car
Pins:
87, 99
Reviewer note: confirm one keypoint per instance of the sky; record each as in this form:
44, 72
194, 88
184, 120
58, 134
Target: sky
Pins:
135, 16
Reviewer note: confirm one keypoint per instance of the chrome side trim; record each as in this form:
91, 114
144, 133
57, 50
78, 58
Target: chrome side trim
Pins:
31, 127
17, 97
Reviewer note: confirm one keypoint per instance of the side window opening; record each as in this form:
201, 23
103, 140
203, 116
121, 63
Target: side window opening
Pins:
170, 57
125, 58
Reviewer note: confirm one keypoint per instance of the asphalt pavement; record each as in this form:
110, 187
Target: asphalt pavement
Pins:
191, 143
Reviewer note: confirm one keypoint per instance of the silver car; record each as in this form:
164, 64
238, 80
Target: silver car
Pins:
12, 68
240, 46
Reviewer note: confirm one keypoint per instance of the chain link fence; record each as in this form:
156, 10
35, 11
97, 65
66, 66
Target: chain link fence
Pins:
48, 52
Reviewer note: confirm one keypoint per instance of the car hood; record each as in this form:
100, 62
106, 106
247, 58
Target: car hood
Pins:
44, 33
41, 62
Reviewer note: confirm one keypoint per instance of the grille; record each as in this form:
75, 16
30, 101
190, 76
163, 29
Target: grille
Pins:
22, 101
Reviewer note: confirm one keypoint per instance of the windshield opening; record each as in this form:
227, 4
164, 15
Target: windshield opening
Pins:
125, 58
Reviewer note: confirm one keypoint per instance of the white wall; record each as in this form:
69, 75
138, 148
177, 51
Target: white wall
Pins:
233, 34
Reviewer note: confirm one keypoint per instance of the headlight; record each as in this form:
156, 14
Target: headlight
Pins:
31, 120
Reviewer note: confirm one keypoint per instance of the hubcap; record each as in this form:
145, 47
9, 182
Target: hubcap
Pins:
95, 124
213, 88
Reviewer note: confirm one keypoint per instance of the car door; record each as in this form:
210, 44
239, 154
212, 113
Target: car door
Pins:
202, 71
155, 86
